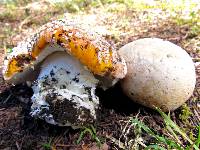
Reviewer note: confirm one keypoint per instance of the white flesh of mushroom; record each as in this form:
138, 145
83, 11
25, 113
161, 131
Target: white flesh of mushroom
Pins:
64, 82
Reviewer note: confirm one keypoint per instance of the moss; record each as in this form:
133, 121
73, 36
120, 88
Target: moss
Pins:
185, 113
195, 99
191, 136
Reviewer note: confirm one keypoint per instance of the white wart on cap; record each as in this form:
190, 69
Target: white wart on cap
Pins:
64, 63
160, 73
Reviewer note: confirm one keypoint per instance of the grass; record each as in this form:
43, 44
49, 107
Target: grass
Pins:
179, 12
93, 134
163, 142
47, 146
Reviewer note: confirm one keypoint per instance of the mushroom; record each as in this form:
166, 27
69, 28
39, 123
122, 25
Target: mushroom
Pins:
64, 64
160, 73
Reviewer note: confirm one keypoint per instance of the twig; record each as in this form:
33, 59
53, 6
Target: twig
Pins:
197, 115
196, 59
7, 99
101, 4
115, 141
25, 21
2, 109
17, 145
57, 140
64, 145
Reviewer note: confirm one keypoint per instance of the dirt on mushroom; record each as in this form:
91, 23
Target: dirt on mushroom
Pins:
16, 124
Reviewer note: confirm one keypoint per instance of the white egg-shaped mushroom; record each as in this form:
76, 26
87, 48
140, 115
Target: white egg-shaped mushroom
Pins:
64, 64
160, 73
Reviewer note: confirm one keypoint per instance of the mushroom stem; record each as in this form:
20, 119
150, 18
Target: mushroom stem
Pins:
64, 92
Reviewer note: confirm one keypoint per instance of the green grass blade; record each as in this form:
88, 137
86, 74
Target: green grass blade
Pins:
148, 130
83, 133
80, 137
176, 127
173, 133
160, 139
145, 128
46, 146
93, 129
173, 125
95, 136
156, 147
92, 133
197, 143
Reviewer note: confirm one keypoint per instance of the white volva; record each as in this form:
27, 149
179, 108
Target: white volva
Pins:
63, 78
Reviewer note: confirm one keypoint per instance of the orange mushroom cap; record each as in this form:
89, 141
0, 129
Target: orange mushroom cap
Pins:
91, 49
